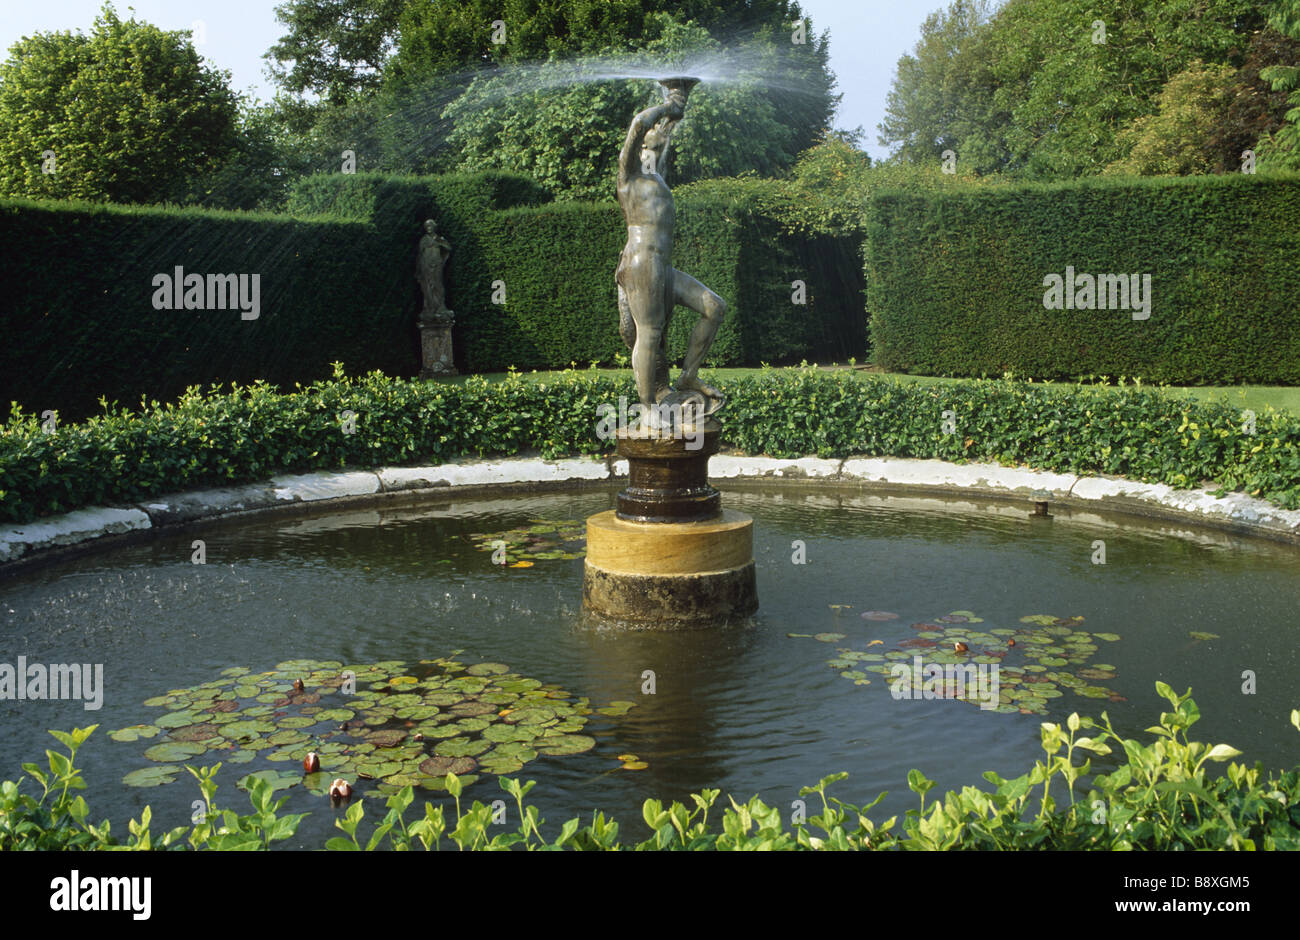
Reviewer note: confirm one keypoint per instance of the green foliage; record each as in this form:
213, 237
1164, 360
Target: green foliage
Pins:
129, 111
1034, 91
955, 279
1162, 798
567, 131
1282, 149
941, 97
252, 433
560, 301
333, 48
1180, 138
353, 242
80, 321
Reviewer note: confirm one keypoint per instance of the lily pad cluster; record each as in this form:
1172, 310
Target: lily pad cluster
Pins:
393, 722
540, 540
1038, 660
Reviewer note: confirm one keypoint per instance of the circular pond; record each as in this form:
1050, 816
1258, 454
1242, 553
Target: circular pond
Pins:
419, 652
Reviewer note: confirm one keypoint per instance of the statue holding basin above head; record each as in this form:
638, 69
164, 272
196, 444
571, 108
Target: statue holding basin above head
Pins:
648, 285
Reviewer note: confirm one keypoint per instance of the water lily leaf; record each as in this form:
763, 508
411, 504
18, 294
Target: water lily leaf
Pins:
829, 637
448, 730
389, 737
536, 714
335, 715
1040, 619
239, 756
462, 747
133, 733
151, 776
1200, 635
634, 765
487, 669
565, 745
287, 738
174, 750
439, 783
878, 615
278, 779
1108, 637
196, 732
178, 720
247, 728
472, 709
1096, 672
377, 770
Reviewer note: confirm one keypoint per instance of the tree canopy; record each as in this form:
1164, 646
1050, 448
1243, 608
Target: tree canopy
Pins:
128, 113
1052, 89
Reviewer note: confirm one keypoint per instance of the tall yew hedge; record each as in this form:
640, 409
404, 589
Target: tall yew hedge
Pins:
955, 279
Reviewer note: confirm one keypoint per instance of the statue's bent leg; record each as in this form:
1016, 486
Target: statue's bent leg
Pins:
643, 281
691, 293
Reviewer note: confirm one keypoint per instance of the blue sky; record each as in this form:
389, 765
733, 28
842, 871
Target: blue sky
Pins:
867, 37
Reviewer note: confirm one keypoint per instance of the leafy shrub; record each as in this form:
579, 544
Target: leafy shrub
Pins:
1162, 798
254, 432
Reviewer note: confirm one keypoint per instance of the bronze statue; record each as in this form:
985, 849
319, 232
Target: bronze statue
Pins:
433, 254
648, 285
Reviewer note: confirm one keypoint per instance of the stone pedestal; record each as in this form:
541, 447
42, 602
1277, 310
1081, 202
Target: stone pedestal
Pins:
670, 554
435, 350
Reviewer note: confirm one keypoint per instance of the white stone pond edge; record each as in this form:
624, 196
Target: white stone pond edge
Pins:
1234, 510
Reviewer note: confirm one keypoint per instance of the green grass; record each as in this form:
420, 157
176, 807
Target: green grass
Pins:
1254, 397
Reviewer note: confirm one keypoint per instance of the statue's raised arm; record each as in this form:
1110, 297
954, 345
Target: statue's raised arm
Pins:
629, 158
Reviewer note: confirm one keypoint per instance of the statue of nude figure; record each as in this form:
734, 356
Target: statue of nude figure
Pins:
648, 285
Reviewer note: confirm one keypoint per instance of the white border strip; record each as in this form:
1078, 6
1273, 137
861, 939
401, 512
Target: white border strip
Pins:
1233, 510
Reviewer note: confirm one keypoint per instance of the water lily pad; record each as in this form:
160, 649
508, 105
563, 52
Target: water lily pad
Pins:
278, 779
1201, 635
389, 737
247, 728
151, 776
196, 732
472, 709
462, 747
565, 745
878, 615
174, 750
1108, 637
178, 719
133, 733
288, 738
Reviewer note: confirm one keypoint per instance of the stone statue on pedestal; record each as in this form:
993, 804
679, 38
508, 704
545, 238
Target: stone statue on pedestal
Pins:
435, 319
648, 285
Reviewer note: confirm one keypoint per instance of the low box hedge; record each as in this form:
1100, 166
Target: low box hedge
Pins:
253, 432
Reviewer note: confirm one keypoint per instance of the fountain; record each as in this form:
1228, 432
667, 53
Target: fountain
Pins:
669, 553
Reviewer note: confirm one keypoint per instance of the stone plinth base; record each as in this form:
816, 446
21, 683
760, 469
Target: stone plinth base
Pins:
664, 573
435, 351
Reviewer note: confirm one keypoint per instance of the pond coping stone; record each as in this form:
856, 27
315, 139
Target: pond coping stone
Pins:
51, 536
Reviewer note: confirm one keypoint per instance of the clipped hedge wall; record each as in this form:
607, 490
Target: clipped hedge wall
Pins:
79, 321
557, 263
955, 279
254, 433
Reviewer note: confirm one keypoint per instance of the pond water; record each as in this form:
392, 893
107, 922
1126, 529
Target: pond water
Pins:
747, 708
